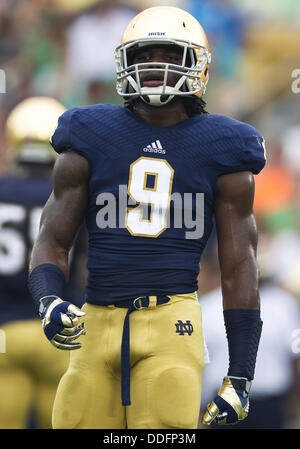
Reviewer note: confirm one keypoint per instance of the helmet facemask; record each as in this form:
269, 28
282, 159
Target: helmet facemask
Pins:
190, 73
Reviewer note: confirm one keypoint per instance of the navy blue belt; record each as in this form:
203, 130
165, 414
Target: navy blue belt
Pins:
139, 303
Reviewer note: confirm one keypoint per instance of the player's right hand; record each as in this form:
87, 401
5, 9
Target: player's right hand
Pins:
61, 322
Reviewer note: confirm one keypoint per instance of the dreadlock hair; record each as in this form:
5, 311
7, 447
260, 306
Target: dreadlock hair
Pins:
193, 105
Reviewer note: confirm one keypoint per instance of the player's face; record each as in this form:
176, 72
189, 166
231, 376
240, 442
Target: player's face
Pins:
156, 55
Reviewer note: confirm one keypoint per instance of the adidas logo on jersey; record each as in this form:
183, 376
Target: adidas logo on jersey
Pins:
155, 147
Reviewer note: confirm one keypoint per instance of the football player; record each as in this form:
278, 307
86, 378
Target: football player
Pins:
148, 178
29, 368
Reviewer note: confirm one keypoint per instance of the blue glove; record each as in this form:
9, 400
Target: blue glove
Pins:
231, 404
61, 322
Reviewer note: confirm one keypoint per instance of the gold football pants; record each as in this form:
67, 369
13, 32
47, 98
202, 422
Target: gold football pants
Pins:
166, 359
30, 369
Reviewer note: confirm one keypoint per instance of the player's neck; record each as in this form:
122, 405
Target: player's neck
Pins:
168, 115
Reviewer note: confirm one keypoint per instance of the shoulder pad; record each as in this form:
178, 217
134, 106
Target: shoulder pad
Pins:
61, 139
239, 147
77, 128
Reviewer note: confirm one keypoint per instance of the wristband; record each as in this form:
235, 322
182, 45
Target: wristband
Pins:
46, 280
243, 329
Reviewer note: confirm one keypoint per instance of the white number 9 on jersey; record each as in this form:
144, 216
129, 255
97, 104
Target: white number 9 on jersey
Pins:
150, 185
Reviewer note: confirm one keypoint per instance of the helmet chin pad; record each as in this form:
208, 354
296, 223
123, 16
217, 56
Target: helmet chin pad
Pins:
157, 98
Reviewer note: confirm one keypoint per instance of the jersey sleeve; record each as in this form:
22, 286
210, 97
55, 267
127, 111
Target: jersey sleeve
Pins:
241, 148
60, 140
66, 137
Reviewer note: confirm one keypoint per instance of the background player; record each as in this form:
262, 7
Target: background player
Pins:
143, 262
29, 368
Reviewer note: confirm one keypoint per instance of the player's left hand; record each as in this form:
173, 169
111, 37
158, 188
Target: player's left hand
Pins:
231, 404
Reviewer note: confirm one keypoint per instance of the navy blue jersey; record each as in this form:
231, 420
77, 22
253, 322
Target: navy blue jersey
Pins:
151, 194
22, 199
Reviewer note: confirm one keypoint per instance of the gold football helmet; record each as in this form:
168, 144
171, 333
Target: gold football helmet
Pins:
29, 127
163, 25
